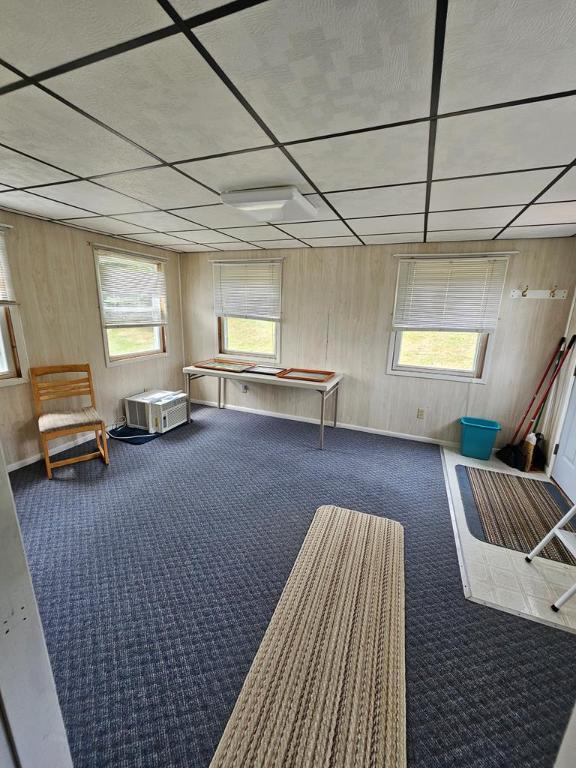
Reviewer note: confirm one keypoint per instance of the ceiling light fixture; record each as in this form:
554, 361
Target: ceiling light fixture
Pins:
272, 205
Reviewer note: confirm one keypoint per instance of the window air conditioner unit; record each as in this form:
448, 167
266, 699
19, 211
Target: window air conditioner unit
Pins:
156, 410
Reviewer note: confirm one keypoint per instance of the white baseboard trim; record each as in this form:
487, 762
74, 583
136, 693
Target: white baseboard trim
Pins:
52, 451
308, 420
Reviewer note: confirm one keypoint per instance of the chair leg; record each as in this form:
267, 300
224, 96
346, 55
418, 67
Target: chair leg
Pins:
105, 444
44, 442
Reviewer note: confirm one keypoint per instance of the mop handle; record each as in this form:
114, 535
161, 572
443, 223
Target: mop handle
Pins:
542, 380
549, 387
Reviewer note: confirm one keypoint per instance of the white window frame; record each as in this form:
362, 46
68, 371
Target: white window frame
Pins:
220, 345
112, 362
23, 366
483, 361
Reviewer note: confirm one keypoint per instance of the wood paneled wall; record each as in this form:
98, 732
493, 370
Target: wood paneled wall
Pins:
55, 282
337, 308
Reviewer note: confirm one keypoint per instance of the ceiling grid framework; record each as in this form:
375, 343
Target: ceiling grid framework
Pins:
422, 122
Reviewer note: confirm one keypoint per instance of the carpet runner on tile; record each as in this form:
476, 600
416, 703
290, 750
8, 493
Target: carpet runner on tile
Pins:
517, 512
327, 686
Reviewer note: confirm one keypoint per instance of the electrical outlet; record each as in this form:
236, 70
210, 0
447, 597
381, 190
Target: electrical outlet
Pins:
420, 413
244, 388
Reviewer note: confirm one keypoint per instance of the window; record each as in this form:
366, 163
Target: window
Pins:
247, 303
132, 291
444, 313
13, 360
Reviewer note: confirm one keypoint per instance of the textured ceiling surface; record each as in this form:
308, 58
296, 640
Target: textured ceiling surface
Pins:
416, 121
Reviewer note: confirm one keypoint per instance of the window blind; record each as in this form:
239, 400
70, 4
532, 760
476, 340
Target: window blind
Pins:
132, 290
248, 289
6, 289
461, 293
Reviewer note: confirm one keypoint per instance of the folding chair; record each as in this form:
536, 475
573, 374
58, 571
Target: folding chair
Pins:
58, 424
568, 538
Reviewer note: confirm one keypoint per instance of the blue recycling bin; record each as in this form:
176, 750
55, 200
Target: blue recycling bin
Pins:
477, 437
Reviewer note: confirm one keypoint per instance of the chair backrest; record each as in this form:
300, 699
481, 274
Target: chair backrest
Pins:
56, 389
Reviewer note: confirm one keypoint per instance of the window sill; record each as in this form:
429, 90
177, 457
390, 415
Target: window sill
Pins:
110, 363
440, 375
256, 359
14, 381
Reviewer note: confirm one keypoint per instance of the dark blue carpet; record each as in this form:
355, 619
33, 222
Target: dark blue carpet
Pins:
157, 577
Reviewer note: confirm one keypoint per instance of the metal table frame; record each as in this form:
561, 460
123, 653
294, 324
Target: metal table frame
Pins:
191, 374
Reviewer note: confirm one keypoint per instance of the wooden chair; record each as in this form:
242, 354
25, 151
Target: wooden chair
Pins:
58, 424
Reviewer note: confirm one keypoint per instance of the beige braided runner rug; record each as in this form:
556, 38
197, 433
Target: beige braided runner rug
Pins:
327, 687
516, 512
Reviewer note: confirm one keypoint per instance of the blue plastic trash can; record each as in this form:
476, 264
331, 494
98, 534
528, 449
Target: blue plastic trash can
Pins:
477, 437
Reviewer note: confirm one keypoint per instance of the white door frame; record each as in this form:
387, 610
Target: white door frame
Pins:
31, 717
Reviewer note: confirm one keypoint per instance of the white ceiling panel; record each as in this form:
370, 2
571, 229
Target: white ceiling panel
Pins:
307, 65
381, 225
26, 202
163, 222
236, 247
548, 213
188, 8
6, 75
157, 238
329, 242
165, 97
558, 230
162, 187
36, 123
380, 202
216, 216
405, 237
565, 189
498, 50
250, 170
206, 236
104, 224
92, 197
194, 248
473, 218
288, 243
264, 232
20, 171
3, 188
316, 229
503, 189
461, 235
389, 156
36, 35
510, 139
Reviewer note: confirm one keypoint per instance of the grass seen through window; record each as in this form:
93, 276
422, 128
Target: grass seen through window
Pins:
439, 349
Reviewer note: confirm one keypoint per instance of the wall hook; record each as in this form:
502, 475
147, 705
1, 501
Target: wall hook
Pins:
525, 292
553, 292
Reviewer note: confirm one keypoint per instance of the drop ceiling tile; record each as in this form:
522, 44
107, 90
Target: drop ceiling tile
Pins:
405, 237
92, 197
380, 202
104, 224
509, 139
206, 236
4, 188
7, 76
163, 222
25, 202
250, 170
317, 229
472, 218
381, 225
38, 124
503, 189
20, 171
327, 242
548, 213
162, 187
558, 230
497, 50
289, 243
262, 232
165, 97
157, 238
194, 248
216, 216
565, 189
39, 34
305, 65
461, 235
389, 156
188, 8
236, 247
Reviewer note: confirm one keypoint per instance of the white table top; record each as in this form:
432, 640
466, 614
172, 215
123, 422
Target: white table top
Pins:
262, 378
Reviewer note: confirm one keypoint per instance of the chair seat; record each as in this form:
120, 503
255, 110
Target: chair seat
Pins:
49, 422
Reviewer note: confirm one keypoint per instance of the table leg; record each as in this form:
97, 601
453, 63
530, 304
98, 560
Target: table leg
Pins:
335, 396
322, 409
